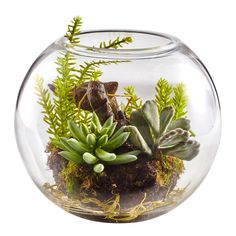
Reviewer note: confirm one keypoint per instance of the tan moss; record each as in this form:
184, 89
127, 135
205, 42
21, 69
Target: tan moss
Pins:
166, 168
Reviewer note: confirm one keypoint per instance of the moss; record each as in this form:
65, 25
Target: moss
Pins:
68, 174
167, 166
76, 177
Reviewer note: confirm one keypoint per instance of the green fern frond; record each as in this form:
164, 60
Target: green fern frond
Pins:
85, 117
74, 30
116, 43
168, 95
179, 101
48, 109
133, 101
96, 75
163, 94
65, 107
88, 68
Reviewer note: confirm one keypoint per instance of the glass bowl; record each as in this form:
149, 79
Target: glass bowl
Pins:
118, 135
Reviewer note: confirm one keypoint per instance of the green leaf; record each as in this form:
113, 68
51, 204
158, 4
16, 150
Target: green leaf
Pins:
137, 119
165, 118
98, 168
116, 142
104, 131
151, 115
89, 158
78, 146
108, 123
84, 129
173, 137
135, 152
70, 156
96, 121
64, 142
93, 128
102, 140
123, 159
182, 123
105, 156
112, 128
184, 151
58, 144
117, 133
137, 139
76, 131
91, 140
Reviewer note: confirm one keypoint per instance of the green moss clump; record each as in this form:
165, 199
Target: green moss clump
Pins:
168, 166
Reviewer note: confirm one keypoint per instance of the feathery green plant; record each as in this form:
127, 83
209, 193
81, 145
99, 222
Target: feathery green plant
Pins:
116, 43
73, 31
133, 101
65, 107
95, 145
168, 95
62, 107
179, 101
48, 109
163, 94
89, 69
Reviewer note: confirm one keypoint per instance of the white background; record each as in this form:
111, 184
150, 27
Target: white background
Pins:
207, 27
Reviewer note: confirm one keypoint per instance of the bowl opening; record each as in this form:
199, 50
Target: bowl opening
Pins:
144, 44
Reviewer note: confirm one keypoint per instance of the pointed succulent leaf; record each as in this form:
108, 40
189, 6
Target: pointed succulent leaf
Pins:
184, 151
102, 140
117, 133
116, 142
89, 158
108, 122
96, 121
78, 146
137, 119
135, 152
85, 129
123, 159
137, 139
166, 117
104, 131
98, 168
105, 156
91, 139
151, 115
67, 147
76, 131
112, 128
70, 156
93, 128
58, 144
173, 137
182, 123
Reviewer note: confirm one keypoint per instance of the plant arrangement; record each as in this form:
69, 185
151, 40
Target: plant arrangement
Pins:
101, 150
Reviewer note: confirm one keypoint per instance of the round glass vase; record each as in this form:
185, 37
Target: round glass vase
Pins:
154, 94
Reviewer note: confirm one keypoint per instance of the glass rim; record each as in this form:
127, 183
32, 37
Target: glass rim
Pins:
121, 53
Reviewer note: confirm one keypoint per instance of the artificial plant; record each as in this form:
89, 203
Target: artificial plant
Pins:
95, 145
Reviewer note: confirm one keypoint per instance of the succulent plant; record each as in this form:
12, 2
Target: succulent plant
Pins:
153, 132
95, 145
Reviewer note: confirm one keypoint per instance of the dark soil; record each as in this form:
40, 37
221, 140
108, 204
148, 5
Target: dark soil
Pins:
131, 181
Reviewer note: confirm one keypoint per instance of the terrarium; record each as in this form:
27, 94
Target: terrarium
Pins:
117, 125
